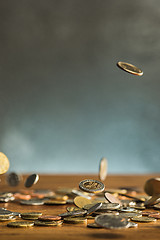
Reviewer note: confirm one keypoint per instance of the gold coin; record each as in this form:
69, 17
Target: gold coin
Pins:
30, 215
75, 220
55, 202
49, 223
20, 224
103, 169
81, 201
92, 186
72, 209
4, 163
130, 68
143, 219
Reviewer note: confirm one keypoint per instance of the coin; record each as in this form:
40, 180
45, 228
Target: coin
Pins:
130, 68
7, 218
129, 214
20, 224
94, 208
92, 186
108, 206
73, 213
111, 222
81, 201
4, 163
75, 220
70, 209
152, 200
46, 224
35, 202
49, 218
31, 215
55, 202
93, 225
111, 198
13, 179
154, 215
143, 219
32, 179
103, 169
132, 225
129, 209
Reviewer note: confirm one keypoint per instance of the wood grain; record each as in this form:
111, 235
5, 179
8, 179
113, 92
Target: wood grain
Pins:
79, 232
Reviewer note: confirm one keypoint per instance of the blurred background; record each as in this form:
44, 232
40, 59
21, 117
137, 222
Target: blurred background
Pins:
64, 104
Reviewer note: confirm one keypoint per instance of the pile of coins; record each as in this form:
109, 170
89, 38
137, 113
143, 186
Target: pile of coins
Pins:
110, 209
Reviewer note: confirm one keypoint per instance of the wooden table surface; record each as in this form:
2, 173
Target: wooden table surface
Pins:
71, 231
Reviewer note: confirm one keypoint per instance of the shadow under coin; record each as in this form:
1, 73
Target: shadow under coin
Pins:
106, 235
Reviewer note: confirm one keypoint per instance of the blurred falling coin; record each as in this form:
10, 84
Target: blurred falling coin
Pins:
130, 68
20, 224
103, 169
92, 186
13, 179
4, 163
31, 180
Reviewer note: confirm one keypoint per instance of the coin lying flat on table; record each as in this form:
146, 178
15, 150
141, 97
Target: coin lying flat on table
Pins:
103, 169
130, 68
31, 180
4, 163
92, 186
143, 219
31, 215
46, 224
20, 224
111, 222
49, 218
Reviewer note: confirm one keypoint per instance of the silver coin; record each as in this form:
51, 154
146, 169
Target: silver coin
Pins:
94, 208
31, 180
111, 222
73, 213
36, 202
91, 186
129, 209
133, 225
129, 214
108, 206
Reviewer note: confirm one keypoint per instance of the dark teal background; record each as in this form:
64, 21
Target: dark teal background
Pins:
64, 103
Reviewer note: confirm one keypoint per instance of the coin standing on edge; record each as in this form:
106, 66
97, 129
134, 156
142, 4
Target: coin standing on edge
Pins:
91, 186
130, 68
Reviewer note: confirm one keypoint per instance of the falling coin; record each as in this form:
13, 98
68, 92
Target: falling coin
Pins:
31, 180
92, 186
13, 179
103, 169
130, 68
4, 163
